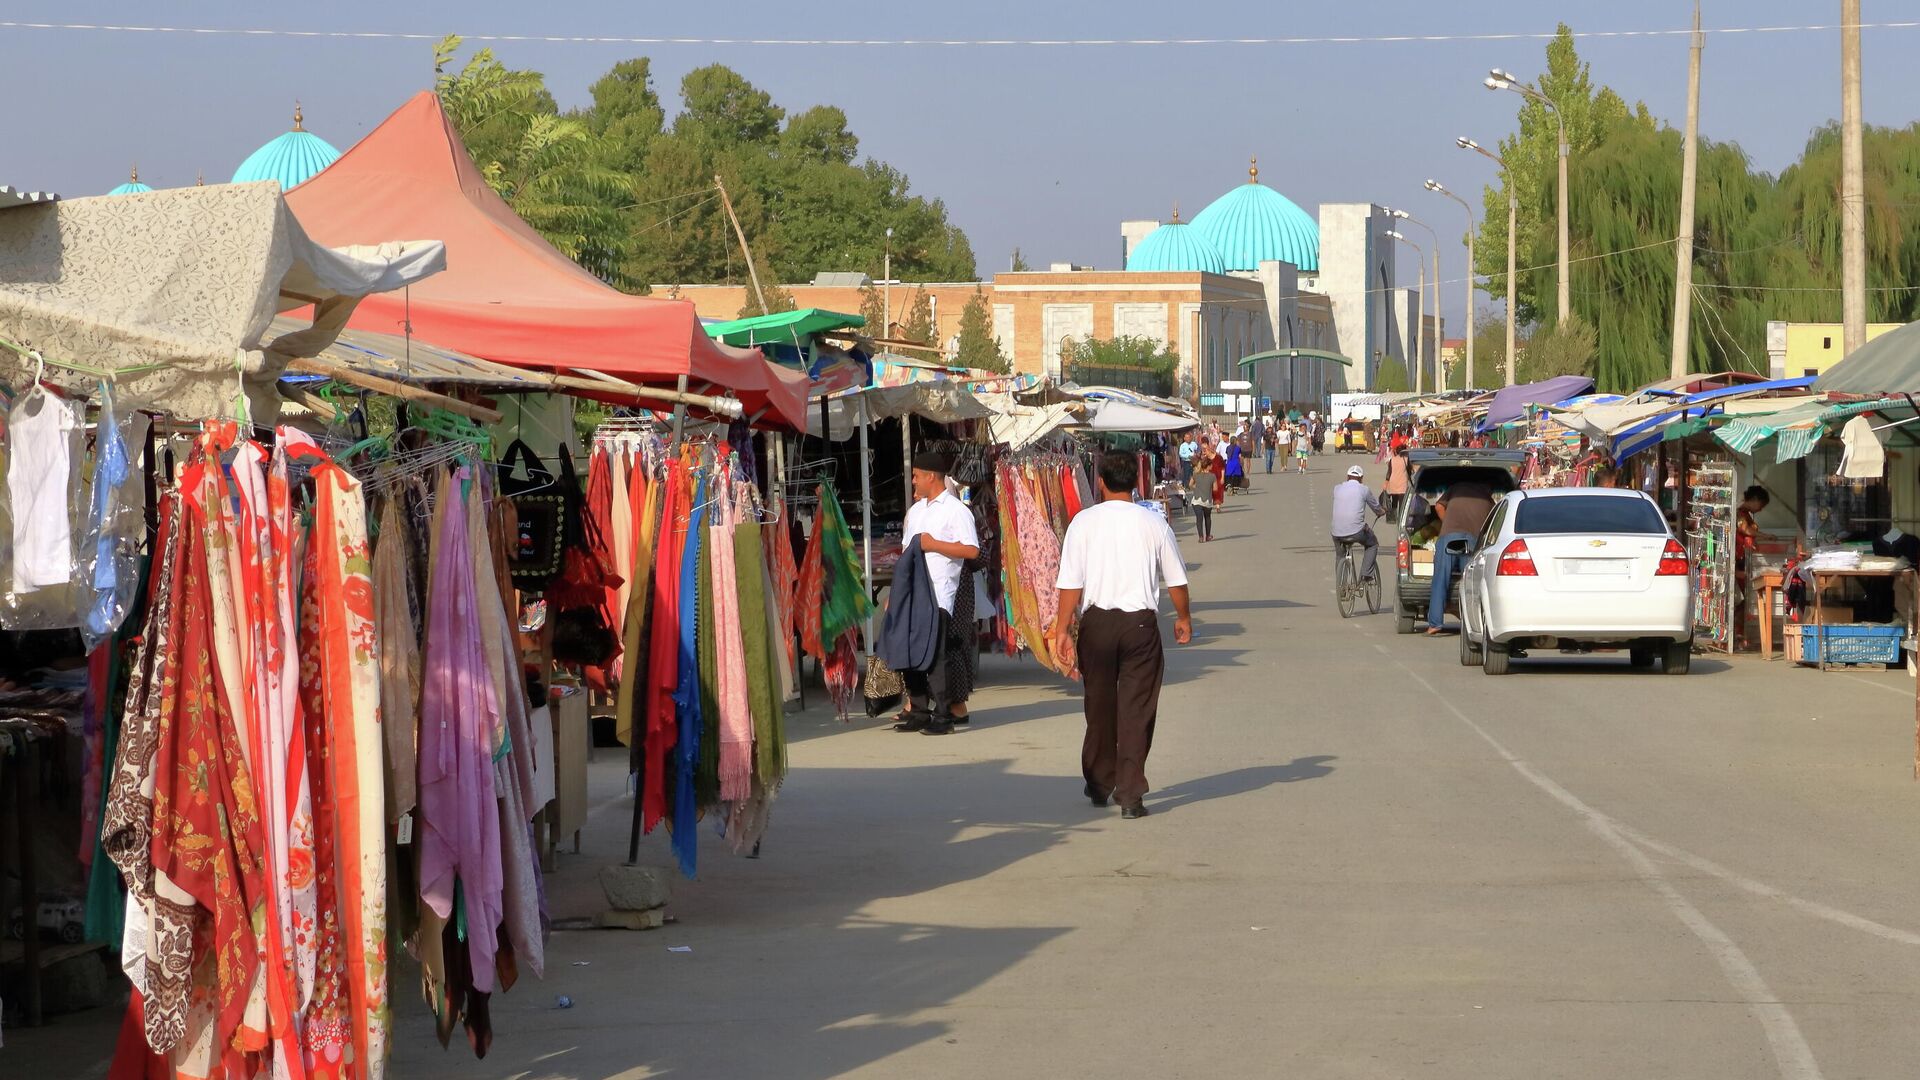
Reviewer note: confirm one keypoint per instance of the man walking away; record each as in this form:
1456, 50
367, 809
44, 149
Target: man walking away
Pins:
1114, 559
1463, 512
1351, 501
948, 538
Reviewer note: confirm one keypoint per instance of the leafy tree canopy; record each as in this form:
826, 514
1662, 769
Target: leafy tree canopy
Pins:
628, 191
1390, 377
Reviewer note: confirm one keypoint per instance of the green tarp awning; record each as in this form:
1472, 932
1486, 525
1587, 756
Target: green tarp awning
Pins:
1889, 364
782, 327
1798, 429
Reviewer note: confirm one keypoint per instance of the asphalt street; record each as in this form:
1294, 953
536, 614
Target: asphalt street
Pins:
1363, 860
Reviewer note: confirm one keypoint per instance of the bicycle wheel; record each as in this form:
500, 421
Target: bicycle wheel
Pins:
1373, 592
1343, 589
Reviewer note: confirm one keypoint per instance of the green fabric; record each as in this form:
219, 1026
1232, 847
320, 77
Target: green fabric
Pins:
1798, 429
706, 782
846, 603
782, 327
757, 643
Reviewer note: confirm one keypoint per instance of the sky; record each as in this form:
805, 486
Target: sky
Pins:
1043, 148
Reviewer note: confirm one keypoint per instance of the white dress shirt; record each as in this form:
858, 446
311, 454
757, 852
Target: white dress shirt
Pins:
945, 518
1119, 554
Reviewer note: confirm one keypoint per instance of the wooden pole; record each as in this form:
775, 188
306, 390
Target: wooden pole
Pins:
1853, 206
1689, 182
342, 373
866, 515
752, 272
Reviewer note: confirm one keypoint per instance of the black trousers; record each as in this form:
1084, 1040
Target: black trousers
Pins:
1122, 664
930, 691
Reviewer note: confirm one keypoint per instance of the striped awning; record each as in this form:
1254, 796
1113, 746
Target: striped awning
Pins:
1797, 430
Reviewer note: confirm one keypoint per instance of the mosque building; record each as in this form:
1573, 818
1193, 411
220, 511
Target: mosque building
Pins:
291, 158
1249, 274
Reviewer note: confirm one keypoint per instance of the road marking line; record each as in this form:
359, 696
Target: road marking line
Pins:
1790, 1050
1877, 685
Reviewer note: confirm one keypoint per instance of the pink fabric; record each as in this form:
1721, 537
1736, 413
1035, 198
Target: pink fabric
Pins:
459, 830
736, 715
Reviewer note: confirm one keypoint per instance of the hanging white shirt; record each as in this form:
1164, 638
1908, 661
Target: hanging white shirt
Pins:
945, 518
40, 438
1119, 554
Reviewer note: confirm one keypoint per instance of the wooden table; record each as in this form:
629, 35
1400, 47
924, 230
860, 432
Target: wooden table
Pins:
1765, 586
1821, 579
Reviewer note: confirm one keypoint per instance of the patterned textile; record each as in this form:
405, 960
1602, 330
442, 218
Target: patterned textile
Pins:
636, 622
736, 711
687, 691
810, 591
459, 832
399, 659
663, 662
761, 643
844, 602
963, 646
1039, 568
842, 674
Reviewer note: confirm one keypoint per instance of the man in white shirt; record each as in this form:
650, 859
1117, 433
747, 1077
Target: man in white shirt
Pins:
947, 540
1115, 558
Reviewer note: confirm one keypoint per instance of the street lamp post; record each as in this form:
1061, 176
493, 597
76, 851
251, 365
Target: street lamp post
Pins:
1505, 80
1513, 218
1436, 187
1420, 261
886, 289
1435, 237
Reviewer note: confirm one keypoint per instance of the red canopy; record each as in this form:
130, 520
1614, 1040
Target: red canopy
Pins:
507, 294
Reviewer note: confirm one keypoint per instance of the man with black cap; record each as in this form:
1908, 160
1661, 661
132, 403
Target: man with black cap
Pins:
947, 539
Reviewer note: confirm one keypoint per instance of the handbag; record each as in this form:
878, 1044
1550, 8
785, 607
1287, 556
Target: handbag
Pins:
534, 555
883, 687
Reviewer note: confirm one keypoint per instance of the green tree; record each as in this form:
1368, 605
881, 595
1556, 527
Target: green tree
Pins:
778, 298
1489, 355
1568, 348
978, 347
919, 325
725, 109
1018, 263
1098, 361
873, 308
1390, 377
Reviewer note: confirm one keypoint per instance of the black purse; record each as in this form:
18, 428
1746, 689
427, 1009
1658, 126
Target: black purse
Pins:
540, 506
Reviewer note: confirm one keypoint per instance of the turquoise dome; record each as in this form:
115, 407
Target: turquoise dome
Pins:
292, 158
1254, 223
133, 186
1176, 247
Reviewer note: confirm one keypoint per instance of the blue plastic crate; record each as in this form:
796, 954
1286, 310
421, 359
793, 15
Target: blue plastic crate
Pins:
1850, 643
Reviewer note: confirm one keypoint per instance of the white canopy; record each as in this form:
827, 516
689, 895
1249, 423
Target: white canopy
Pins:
1120, 416
184, 282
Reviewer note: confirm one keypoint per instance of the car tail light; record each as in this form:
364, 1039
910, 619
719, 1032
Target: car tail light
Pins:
1404, 555
1516, 561
1673, 561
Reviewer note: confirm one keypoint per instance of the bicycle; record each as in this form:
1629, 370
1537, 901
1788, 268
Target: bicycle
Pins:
1348, 588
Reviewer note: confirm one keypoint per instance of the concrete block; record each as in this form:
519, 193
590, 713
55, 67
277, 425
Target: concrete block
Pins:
634, 888
651, 919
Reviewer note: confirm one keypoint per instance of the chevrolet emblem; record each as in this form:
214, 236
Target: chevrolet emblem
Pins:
1596, 543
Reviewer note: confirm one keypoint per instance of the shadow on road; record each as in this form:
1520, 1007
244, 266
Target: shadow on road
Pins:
1241, 782
1202, 607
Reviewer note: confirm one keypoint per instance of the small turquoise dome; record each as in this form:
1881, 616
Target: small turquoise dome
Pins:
1175, 247
292, 158
1254, 223
133, 186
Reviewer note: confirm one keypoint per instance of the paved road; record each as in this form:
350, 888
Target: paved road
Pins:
1364, 861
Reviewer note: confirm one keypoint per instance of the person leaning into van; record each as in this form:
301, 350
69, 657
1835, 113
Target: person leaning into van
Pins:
1463, 512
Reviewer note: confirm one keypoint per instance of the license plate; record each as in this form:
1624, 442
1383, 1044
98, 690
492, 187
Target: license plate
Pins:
1597, 567
1423, 570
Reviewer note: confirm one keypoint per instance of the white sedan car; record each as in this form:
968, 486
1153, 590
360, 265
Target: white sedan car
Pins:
1578, 570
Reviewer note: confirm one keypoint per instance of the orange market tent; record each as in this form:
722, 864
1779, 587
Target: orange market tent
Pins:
507, 294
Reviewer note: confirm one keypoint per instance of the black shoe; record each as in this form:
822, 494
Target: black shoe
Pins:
965, 718
1095, 795
915, 721
1137, 810
937, 727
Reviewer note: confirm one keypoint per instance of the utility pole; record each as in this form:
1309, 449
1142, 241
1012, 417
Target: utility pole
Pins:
1689, 182
752, 272
886, 289
1853, 205
1566, 279
1513, 220
1439, 376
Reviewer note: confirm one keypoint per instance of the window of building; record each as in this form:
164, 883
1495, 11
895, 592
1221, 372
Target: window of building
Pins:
1826, 343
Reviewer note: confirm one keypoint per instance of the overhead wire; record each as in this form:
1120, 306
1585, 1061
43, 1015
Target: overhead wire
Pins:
1000, 42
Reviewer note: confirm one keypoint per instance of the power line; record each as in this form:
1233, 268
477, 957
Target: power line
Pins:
826, 42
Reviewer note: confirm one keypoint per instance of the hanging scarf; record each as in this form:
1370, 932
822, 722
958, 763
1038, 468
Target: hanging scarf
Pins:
810, 589
635, 633
459, 832
399, 659
760, 644
845, 603
686, 693
663, 660
736, 710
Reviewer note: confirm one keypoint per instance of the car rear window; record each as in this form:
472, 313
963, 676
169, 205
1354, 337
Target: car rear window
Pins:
1588, 514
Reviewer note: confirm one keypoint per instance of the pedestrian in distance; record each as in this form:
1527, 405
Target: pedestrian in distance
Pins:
1236, 466
1200, 497
1282, 445
1189, 446
1269, 442
1113, 562
1394, 492
1302, 449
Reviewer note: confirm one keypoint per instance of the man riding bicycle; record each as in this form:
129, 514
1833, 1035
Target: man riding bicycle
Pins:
1351, 501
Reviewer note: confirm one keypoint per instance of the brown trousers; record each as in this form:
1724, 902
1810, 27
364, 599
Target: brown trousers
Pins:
1121, 663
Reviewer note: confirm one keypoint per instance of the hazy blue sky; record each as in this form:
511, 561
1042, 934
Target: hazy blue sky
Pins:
1044, 148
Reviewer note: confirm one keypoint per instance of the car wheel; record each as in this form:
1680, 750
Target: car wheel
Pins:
1679, 659
1471, 654
1641, 658
1497, 661
72, 932
1402, 622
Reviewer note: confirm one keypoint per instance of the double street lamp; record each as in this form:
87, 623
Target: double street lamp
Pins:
1513, 216
1505, 80
1419, 260
1436, 187
1418, 383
